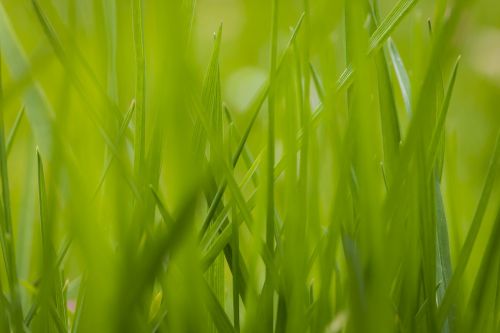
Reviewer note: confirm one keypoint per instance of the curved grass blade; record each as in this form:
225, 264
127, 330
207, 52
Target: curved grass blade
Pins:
401, 74
465, 253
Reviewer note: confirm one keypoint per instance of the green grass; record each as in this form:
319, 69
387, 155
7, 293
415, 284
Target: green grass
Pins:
249, 166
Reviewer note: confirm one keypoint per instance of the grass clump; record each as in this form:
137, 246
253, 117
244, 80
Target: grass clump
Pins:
138, 197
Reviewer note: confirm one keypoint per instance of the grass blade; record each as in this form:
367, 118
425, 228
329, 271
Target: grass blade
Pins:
13, 131
52, 297
140, 89
401, 74
6, 230
465, 253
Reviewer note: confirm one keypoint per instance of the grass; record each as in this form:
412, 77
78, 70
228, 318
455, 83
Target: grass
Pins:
149, 186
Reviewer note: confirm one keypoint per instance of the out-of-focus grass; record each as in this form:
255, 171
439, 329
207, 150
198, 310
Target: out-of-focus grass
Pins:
249, 165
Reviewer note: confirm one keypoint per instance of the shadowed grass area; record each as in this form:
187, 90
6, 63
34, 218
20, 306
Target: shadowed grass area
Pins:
249, 166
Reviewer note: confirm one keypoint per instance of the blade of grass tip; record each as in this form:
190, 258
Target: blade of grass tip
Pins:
211, 97
401, 74
140, 88
7, 230
13, 131
465, 253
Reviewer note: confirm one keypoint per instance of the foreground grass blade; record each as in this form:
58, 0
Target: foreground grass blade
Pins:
465, 253
483, 294
6, 230
395, 16
219, 317
52, 298
443, 248
391, 133
439, 128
